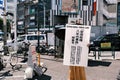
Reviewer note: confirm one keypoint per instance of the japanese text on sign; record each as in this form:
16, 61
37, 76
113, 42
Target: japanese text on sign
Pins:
76, 40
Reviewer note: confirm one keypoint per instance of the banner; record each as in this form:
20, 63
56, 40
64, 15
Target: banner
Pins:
70, 5
77, 38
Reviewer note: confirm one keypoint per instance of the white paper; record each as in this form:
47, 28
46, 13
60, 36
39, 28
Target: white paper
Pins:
77, 38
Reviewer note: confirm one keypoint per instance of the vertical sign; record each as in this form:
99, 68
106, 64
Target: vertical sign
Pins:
76, 40
32, 56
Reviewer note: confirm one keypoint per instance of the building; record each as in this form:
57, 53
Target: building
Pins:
11, 7
91, 12
109, 13
118, 14
60, 12
33, 16
1, 7
99, 13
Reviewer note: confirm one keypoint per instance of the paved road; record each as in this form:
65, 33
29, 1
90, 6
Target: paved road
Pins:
9, 74
106, 68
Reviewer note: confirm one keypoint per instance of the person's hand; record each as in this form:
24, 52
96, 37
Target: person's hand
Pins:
88, 44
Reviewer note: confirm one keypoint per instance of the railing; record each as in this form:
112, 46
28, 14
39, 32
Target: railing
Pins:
99, 51
108, 14
111, 1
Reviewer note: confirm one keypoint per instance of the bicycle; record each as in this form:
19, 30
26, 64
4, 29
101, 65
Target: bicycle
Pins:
13, 52
12, 57
23, 49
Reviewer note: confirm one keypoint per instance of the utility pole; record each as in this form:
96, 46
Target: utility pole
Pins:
4, 23
38, 46
15, 25
44, 15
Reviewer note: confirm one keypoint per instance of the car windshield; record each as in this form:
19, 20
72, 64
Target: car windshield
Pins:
21, 38
99, 38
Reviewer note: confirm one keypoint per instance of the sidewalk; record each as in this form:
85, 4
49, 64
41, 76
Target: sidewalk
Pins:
106, 68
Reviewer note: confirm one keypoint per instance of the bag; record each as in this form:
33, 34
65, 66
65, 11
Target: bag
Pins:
29, 73
39, 69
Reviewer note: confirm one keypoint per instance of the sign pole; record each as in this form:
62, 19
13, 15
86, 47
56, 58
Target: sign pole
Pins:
38, 51
71, 73
4, 23
76, 50
77, 73
39, 59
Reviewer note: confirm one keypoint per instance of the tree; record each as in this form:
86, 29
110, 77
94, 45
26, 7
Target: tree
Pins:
1, 24
8, 25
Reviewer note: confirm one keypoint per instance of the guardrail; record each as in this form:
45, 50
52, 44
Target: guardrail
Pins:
99, 51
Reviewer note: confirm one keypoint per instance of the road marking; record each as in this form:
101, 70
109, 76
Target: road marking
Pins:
8, 77
22, 63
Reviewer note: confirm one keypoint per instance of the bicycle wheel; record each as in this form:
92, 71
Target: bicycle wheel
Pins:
14, 59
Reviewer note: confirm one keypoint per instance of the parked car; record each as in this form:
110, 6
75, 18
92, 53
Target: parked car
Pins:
32, 39
106, 42
28, 38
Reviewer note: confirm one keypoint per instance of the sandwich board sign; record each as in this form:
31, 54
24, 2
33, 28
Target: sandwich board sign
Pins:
77, 38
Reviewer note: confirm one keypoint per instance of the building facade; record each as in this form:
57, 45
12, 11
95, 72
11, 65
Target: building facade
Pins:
60, 12
33, 15
118, 14
91, 12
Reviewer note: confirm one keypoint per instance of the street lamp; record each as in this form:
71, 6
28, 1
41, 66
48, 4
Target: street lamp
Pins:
40, 25
38, 46
4, 23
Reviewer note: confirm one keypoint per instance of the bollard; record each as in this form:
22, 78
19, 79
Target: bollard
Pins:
39, 59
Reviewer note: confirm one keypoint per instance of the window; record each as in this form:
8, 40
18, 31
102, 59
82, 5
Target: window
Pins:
85, 2
10, 7
118, 14
32, 23
21, 38
35, 37
10, 0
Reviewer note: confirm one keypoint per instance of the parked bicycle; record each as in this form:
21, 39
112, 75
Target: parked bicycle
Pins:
23, 49
12, 57
13, 54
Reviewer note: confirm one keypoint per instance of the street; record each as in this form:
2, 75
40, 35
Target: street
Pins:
63, 28
9, 74
104, 69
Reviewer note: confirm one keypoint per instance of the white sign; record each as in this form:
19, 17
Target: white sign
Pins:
32, 56
76, 40
51, 38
